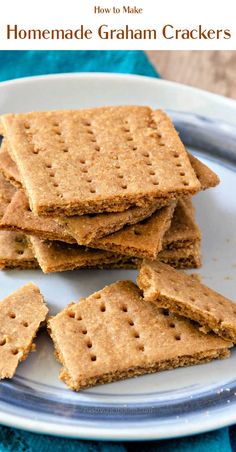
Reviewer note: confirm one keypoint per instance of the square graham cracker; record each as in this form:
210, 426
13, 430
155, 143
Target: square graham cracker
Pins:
85, 228
67, 159
182, 294
150, 341
205, 175
21, 315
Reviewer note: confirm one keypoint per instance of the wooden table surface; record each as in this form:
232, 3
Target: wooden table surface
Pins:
210, 70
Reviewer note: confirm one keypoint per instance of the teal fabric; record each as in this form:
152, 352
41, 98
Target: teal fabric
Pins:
15, 64
12, 440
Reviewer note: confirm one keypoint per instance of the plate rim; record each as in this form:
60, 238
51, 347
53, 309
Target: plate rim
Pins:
49, 426
112, 75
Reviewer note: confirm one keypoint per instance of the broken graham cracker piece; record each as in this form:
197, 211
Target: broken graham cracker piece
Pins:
18, 217
8, 167
183, 257
137, 149
182, 233
205, 175
180, 293
142, 240
6, 190
150, 340
15, 252
21, 315
59, 256
183, 230
88, 228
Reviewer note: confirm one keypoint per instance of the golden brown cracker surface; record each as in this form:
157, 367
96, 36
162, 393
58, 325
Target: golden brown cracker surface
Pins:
58, 256
15, 252
74, 155
118, 335
19, 217
21, 315
142, 240
183, 230
8, 167
205, 175
186, 296
88, 228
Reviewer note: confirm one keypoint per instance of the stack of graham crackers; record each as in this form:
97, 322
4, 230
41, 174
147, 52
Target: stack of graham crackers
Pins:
97, 188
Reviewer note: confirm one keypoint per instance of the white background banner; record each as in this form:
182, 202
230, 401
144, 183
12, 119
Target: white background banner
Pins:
117, 24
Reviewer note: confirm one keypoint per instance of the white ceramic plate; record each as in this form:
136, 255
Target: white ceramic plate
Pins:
169, 404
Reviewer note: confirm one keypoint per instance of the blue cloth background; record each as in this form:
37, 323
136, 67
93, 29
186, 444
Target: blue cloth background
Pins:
14, 64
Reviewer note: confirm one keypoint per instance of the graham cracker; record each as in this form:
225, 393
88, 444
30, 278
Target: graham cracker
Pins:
6, 190
57, 256
142, 240
14, 249
74, 155
3, 206
19, 217
7, 167
183, 257
84, 228
88, 228
150, 340
186, 296
15, 252
21, 315
205, 175
183, 230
